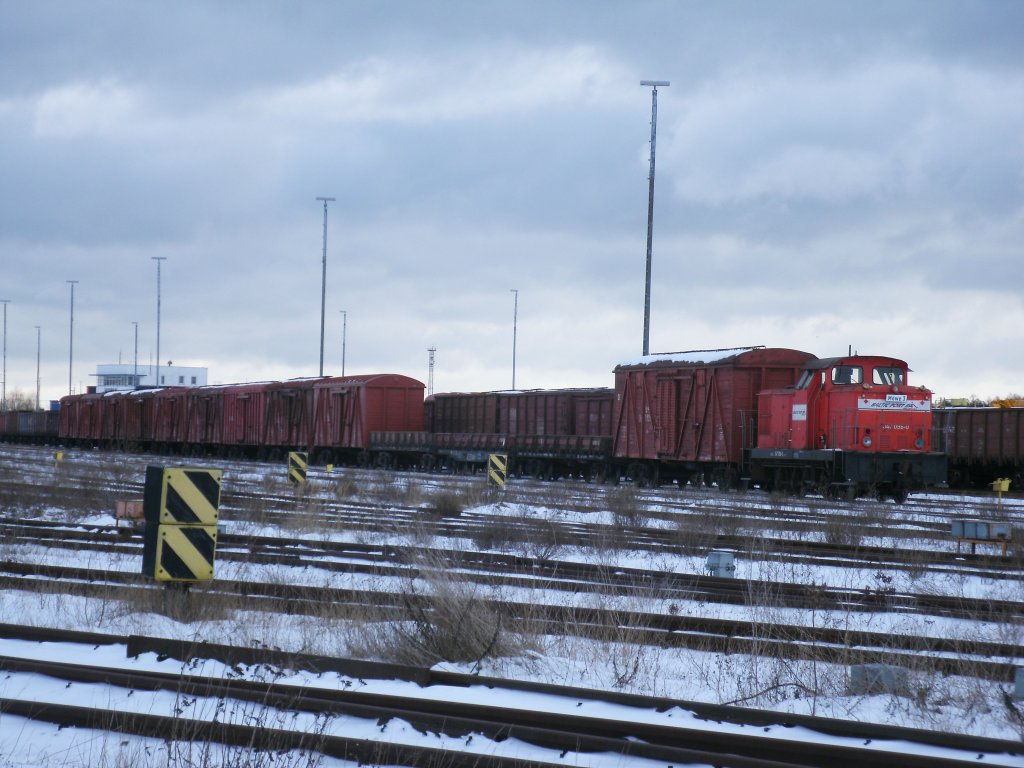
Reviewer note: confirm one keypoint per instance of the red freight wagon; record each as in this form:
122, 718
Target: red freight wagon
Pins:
289, 413
593, 412
205, 424
170, 416
242, 409
983, 444
463, 412
690, 413
536, 412
80, 416
347, 409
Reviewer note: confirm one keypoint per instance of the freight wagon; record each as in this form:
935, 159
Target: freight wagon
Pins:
689, 416
544, 433
982, 444
331, 418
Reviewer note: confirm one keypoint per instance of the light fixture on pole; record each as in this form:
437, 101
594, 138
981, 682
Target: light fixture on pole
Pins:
39, 347
654, 85
158, 260
3, 407
71, 334
344, 331
323, 284
135, 371
515, 323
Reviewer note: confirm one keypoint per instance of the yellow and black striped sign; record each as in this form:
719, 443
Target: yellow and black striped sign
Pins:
182, 496
497, 469
181, 508
298, 465
184, 552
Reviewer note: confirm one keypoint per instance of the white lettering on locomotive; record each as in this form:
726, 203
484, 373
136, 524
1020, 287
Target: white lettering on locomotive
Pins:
869, 404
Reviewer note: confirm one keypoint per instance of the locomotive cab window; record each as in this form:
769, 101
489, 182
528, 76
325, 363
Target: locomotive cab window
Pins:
847, 374
805, 379
889, 376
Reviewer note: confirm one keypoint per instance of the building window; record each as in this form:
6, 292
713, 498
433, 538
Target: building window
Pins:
163, 379
193, 380
181, 379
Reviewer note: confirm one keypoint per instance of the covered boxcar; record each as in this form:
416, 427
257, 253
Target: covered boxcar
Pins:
330, 417
688, 416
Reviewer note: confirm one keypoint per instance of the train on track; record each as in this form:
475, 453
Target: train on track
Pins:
780, 419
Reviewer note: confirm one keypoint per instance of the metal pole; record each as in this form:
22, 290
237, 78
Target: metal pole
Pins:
650, 209
515, 323
158, 259
323, 285
71, 334
135, 370
4, 396
39, 347
344, 331
430, 370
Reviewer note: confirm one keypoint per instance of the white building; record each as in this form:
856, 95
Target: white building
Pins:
118, 376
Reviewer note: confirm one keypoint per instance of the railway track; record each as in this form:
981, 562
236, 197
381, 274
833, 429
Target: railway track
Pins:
983, 660
548, 573
563, 723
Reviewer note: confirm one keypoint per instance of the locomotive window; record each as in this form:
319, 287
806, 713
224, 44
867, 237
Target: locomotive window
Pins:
847, 374
891, 376
805, 380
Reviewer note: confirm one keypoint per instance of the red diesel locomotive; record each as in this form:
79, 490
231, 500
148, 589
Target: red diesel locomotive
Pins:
850, 426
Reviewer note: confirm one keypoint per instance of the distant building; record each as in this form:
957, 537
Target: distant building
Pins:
117, 376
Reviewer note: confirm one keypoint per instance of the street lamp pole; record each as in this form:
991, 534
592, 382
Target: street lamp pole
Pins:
135, 370
39, 347
323, 284
71, 334
344, 331
515, 324
158, 260
5, 302
650, 208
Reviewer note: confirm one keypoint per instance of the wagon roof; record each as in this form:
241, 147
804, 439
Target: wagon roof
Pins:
708, 356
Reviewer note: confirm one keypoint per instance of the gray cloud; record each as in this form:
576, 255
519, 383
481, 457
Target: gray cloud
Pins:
828, 175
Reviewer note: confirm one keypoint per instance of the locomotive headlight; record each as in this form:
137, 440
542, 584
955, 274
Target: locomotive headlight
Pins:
919, 443
867, 441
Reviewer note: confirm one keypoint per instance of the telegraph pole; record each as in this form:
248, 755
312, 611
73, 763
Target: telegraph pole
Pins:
323, 284
654, 84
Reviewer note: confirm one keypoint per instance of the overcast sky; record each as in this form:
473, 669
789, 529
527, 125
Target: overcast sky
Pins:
829, 175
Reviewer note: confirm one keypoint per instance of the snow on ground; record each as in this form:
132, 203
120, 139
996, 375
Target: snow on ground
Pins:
943, 704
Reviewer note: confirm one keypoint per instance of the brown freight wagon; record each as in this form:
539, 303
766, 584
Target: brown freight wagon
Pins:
347, 409
982, 444
81, 417
689, 416
474, 413
551, 412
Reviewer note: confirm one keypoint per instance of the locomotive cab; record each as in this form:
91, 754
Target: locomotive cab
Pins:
850, 426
